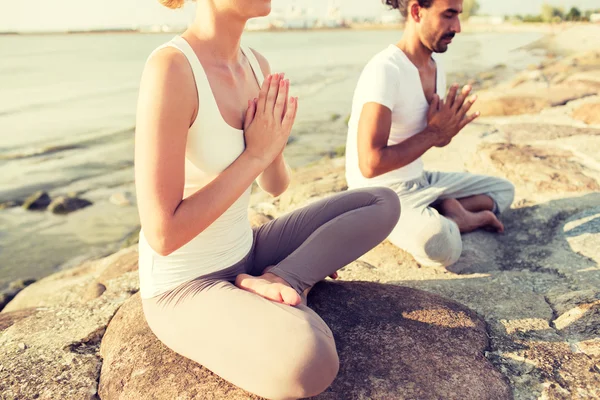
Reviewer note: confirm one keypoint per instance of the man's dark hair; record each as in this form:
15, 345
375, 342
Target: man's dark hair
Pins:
402, 5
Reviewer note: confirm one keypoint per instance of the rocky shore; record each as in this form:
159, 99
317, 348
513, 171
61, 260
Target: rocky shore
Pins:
517, 317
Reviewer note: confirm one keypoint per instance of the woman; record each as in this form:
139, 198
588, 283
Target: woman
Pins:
213, 289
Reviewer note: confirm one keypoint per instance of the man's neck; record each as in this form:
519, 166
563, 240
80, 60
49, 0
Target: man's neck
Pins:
414, 49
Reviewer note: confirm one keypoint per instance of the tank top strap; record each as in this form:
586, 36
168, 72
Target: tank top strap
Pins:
205, 94
253, 64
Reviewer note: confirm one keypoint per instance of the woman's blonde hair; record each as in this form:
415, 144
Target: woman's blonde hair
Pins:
172, 3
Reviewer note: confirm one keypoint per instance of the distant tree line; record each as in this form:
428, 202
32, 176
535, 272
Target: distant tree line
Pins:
557, 14
470, 7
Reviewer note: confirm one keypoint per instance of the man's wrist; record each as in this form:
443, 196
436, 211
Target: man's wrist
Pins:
432, 136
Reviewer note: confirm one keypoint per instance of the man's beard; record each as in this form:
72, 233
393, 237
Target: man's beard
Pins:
440, 46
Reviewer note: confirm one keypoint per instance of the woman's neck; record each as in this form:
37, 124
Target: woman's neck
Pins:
218, 32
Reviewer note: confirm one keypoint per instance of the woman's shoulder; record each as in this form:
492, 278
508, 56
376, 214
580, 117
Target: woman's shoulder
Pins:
262, 62
166, 58
167, 64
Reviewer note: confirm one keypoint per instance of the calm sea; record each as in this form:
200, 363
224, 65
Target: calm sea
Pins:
67, 112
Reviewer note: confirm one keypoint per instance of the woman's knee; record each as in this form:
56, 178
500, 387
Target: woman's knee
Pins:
308, 368
389, 202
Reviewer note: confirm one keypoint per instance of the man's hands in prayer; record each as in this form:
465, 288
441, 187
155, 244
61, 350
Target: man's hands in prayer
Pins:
446, 118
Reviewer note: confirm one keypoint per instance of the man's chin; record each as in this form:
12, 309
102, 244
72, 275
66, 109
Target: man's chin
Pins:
440, 48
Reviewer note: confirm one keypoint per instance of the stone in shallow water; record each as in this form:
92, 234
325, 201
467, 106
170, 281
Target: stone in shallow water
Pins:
122, 199
65, 205
37, 201
393, 342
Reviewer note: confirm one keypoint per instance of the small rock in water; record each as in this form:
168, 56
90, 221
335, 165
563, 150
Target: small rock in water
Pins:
121, 199
22, 346
10, 204
14, 288
65, 205
37, 201
21, 284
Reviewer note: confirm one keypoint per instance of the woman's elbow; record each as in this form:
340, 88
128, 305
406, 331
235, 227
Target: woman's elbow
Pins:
368, 167
278, 191
160, 241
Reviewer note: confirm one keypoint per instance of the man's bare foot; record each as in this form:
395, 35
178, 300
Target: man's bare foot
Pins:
468, 221
269, 286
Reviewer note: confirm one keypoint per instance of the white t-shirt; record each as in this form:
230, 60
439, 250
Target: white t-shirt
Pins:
393, 81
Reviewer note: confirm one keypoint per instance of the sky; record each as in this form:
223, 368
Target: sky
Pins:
56, 15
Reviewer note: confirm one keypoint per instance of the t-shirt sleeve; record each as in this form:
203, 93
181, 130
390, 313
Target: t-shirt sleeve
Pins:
379, 83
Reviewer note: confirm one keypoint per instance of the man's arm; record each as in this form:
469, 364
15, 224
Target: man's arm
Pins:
375, 157
445, 120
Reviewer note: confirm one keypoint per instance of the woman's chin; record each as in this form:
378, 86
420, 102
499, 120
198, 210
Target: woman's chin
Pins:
264, 11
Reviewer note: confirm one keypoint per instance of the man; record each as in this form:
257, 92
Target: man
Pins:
399, 112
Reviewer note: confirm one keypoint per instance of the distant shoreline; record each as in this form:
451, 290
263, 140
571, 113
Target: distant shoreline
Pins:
467, 28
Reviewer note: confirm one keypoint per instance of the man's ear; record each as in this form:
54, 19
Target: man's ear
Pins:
415, 11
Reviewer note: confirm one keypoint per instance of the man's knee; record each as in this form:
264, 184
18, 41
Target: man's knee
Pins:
442, 246
504, 195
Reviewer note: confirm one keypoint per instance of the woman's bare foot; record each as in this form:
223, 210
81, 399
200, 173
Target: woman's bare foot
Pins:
269, 286
469, 221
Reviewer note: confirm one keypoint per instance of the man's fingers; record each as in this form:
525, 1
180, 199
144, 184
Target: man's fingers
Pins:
281, 100
451, 95
461, 97
468, 120
466, 107
250, 112
434, 106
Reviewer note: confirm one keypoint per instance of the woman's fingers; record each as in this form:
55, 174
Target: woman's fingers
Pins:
290, 115
272, 94
250, 112
262, 95
280, 104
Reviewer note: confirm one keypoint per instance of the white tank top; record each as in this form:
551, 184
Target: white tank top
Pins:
212, 145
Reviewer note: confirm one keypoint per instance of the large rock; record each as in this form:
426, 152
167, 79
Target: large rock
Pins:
393, 342
521, 133
51, 352
540, 169
530, 100
73, 285
588, 113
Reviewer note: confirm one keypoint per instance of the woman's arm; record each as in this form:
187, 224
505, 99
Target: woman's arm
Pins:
167, 106
275, 179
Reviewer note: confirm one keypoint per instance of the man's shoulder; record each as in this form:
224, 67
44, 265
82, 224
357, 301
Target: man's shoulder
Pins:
386, 60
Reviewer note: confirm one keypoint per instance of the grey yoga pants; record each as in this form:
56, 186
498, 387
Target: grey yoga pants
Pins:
274, 350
